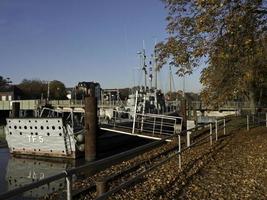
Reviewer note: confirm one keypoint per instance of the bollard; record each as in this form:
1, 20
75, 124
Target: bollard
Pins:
15, 109
247, 123
90, 123
210, 134
101, 187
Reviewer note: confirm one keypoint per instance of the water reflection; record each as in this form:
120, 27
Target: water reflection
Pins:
21, 171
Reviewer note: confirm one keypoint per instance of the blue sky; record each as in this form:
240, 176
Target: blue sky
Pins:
85, 40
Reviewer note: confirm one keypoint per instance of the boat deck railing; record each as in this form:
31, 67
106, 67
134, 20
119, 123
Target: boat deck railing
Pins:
154, 126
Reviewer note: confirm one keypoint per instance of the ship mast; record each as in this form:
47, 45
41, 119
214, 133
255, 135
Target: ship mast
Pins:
144, 64
170, 78
155, 67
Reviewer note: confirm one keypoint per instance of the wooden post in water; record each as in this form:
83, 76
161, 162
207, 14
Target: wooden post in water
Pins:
90, 124
183, 114
15, 109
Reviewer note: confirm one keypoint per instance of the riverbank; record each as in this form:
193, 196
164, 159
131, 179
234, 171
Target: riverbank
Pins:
234, 168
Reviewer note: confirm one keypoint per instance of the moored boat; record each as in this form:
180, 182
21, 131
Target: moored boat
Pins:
55, 133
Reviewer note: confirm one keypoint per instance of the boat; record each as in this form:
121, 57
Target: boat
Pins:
55, 133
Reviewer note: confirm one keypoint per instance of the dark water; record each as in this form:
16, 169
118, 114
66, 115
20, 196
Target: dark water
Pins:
18, 171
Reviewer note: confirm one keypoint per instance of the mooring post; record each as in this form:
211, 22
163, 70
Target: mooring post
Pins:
101, 187
15, 109
247, 122
90, 123
183, 114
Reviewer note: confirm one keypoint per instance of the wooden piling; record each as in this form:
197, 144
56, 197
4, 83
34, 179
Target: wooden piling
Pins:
90, 124
183, 114
15, 109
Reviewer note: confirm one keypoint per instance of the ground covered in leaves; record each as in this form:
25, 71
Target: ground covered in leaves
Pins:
235, 167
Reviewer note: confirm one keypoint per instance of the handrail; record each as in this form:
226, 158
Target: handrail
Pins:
259, 120
141, 174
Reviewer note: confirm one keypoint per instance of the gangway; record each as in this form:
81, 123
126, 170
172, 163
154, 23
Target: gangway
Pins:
151, 126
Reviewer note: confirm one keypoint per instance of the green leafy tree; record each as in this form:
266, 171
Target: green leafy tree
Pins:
57, 90
4, 82
37, 89
33, 89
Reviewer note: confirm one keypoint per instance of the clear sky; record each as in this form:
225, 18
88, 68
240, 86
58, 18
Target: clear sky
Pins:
85, 40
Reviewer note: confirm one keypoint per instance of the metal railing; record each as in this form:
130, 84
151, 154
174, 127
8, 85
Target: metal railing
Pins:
254, 120
24, 104
147, 124
218, 124
101, 186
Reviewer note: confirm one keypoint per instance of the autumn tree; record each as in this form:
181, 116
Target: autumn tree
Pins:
229, 34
